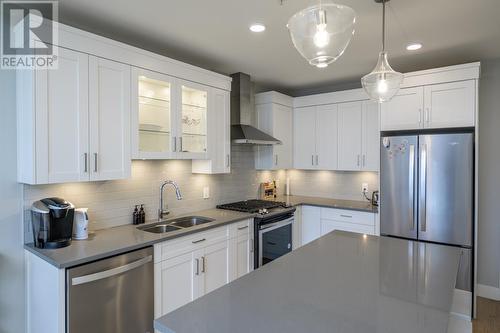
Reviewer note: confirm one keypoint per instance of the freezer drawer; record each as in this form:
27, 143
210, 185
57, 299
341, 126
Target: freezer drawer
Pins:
112, 295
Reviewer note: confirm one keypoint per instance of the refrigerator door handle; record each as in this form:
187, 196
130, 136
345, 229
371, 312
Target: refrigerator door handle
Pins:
411, 180
423, 187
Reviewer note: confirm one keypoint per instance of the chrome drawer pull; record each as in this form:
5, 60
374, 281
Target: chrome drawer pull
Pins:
241, 228
348, 216
199, 241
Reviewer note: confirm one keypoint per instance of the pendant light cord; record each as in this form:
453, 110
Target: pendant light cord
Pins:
383, 25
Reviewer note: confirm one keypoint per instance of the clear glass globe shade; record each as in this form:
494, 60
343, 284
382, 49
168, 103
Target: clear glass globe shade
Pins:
321, 33
383, 82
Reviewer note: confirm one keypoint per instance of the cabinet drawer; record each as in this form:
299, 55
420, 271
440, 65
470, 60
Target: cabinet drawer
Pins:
181, 245
241, 228
331, 225
351, 216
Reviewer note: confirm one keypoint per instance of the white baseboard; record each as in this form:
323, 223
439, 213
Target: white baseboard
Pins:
488, 292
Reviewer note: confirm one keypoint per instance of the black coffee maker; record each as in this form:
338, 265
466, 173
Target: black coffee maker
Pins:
52, 222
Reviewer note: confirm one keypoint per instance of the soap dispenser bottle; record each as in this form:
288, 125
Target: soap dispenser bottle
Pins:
135, 215
142, 215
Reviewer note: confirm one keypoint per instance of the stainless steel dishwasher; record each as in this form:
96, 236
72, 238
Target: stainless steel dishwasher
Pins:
112, 295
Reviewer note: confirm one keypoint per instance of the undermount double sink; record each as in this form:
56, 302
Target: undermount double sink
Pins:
175, 224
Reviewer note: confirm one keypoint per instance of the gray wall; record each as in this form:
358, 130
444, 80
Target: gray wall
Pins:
489, 174
11, 242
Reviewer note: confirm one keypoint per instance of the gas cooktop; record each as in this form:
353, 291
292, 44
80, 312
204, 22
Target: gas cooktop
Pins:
252, 206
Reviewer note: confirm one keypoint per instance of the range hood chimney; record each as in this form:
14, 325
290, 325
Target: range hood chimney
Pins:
240, 106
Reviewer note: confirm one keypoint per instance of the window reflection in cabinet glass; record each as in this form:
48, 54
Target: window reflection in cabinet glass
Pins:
194, 120
154, 115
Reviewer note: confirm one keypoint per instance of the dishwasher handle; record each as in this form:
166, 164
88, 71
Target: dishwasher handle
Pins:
110, 272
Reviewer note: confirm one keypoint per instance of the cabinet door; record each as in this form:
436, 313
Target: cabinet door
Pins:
350, 116
450, 104
328, 226
311, 224
371, 137
244, 255
109, 110
175, 283
152, 115
62, 120
304, 138
215, 268
193, 121
282, 130
403, 111
326, 137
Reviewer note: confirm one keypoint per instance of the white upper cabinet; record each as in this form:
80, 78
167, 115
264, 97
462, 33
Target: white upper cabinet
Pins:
326, 157
370, 148
74, 121
61, 120
109, 105
304, 137
450, 104
403, 111
275, 117
152, 117
219, 135
350, 138
444, 105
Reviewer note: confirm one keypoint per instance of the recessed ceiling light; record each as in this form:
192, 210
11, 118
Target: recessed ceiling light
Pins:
414, 46
257, 27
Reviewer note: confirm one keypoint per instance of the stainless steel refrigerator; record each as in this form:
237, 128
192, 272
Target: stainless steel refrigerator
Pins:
426, 192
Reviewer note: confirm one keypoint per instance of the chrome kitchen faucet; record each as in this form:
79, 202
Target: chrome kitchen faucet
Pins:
161, 211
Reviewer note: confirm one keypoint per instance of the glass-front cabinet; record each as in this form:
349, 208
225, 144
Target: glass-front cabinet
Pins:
169, 118
194, 112
153, 116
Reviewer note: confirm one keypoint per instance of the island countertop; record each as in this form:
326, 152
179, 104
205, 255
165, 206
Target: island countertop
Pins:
342, 282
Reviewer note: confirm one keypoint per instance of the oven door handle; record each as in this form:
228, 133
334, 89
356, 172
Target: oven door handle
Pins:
276, 224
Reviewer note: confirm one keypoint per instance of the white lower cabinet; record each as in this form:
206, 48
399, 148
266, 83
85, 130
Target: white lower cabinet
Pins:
189, 267
317, 222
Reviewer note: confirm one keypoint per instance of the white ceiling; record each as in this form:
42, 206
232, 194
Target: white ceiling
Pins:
214, 34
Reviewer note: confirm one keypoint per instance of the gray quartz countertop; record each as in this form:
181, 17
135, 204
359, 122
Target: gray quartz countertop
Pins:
108, 242
297, 200
342, 282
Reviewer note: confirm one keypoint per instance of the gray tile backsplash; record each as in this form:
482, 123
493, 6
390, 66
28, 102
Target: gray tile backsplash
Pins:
111, 203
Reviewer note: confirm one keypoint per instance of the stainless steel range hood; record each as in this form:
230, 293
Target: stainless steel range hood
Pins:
240, 104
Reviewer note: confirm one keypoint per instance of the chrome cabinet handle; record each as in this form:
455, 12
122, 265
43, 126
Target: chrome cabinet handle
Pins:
427, 115
411, 185
348, 216
227, 160
317, 159
242, 228
197, 266
419, 115
86, 161
175, 143
95, 162
110, 272
423, 188
198, 241
364, 160
251, 245
276, 159
203, 265
358, 160
312, 159
180, 144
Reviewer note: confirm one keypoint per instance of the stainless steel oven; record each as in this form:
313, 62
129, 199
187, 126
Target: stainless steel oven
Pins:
273, 237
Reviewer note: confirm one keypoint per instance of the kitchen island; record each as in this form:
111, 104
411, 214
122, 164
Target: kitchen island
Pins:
342, 282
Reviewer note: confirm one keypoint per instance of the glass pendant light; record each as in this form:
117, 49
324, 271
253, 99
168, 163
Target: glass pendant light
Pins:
322, 32
383, 82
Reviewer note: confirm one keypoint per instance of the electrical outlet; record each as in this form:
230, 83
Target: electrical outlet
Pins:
364, 187
206, 192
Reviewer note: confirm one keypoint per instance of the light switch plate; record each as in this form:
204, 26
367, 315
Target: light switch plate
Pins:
364, 187
206, 192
